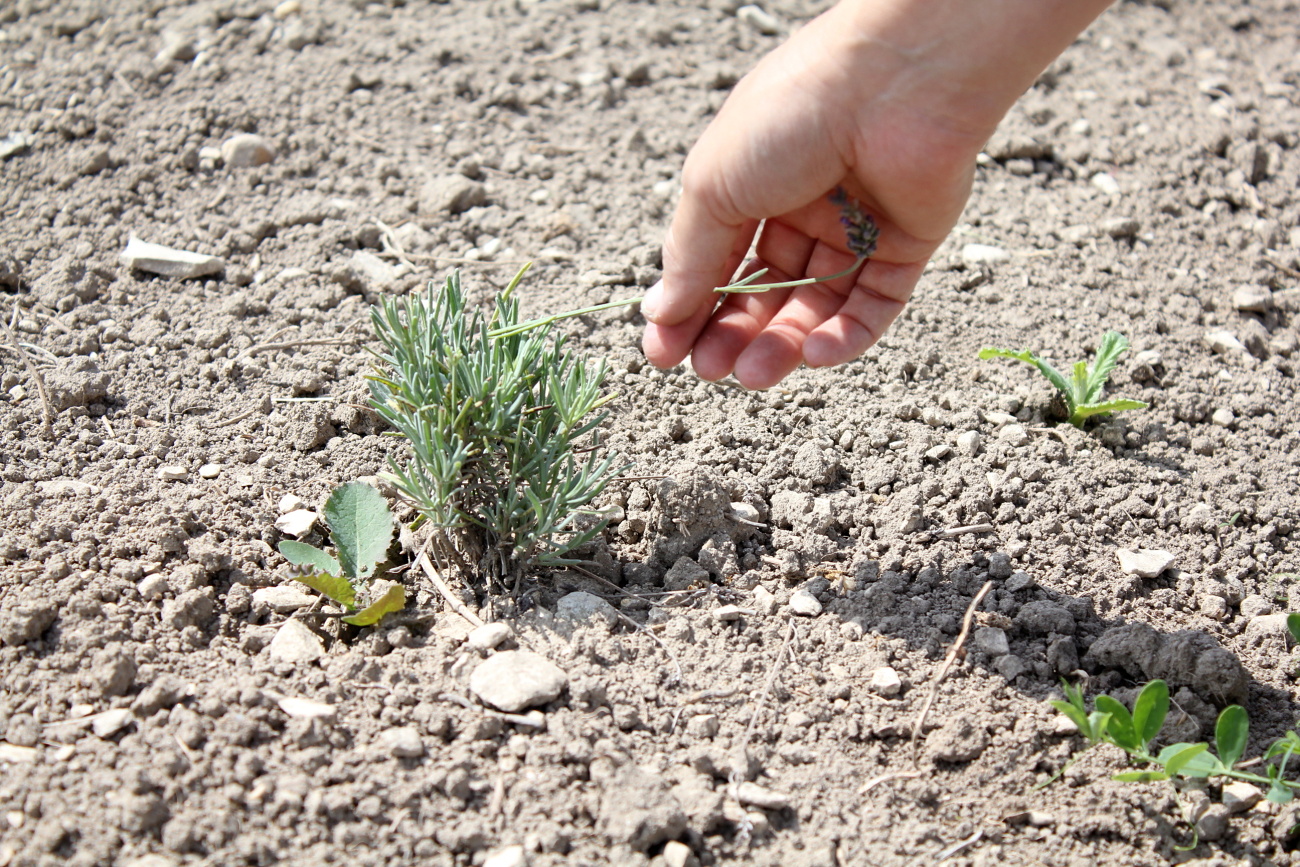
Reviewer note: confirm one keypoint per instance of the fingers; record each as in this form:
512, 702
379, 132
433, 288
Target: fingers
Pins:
701, 251
871, 307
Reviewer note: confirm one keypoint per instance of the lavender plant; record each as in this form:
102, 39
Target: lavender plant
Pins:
502, 430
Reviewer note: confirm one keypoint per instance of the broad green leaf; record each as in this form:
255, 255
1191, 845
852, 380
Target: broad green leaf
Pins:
1051, 373
1149, 711
392, 601
1078, 385
1202, 764
1231, 733
1176, 756
360, 527
335, 587
1279, 794
1141, 776
1120, 729
309, 556
1293, 626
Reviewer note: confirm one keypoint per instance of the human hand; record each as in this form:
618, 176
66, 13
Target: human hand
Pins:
889, 99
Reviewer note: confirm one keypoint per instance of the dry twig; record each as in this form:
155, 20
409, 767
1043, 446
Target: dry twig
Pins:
949, 659
47, 410
459, 607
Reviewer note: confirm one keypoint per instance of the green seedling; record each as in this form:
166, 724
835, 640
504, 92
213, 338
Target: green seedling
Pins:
504, 457
1135, 733
861, 237
361, 528
1293, 626
1082, 391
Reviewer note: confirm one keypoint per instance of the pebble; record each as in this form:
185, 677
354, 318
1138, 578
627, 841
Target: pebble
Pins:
1214, 607
453, 194
1224, 342
1106, 183
1255, 605
1222, 417
584, 607
305, 708
678, 854
992, 640
939, 452
1010, 667
210, 471
1253, 299
1019, 581
510, 856
516, 680
754, 795
247, 150
729, 613
745, 513
295, 643
885, 681
487, 637
169, 262
290, 503
173, 473
283, 598
764, 601
757, 18
1144, 562
14, 753
110, 722
984, 254
296, 523
1014, 435
375, 272
969, 443
1121, 227
1240, 796
804, 603
153, 587
402, 742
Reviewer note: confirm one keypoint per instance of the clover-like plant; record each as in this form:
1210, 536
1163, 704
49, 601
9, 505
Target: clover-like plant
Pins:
1082, 390
361, 528
1134, 733
502, 430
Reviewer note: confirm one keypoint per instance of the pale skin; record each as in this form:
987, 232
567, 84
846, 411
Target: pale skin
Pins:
891, 100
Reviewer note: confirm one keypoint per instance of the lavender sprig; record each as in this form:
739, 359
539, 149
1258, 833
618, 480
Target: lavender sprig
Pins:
859, 227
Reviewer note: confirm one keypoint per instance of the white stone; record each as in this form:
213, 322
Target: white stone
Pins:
290, 503
678, 854
210, 471
745, 513
1144, 562
111, 722
983, 254
510, 856
402, 742
296, 523
584, 607
487, 637
1014, 435
516, 680
152, 587
169, 262
764, 601
1106, 183
1252, 299
305, 708
283, 598
885, 681
247, 150
992, 640
969, 442
173, 473
375, 271
939, 452
804, 603
1223, 417
754, 795
760, 20
728, 613
13, 753
295, 643
1224, 342
1239, 796
66, 487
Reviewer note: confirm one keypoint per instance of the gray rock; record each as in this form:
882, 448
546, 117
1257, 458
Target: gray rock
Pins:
191, 608
815, 463
1224, 343
112, 671
515, 680
992, 640
1185, 658
754, 795
1043, 618
684, 574
451, 194
283, 598
165, 692
639, 810
402, 742
584, 607
1010, 666
23, 621
1213, 823
1255, 605
295, 643
1144, 562
885, 681
487, 637
999, 565
1253, 299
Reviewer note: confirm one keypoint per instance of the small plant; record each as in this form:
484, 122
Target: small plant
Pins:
1110, 722
361, 528
1082, 391
860, 229
504, 456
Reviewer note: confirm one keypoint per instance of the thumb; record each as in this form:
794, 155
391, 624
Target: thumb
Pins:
701, 251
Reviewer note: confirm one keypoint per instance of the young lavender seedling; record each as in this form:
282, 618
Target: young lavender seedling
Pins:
503, 453
361, 527
1082, 391
859, 226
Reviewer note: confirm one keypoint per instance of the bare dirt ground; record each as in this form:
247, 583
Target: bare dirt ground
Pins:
1149, 183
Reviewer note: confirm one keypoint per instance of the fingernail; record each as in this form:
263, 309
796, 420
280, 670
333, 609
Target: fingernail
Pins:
651, 302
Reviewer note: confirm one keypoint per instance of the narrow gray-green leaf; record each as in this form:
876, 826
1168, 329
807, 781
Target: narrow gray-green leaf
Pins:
360, 527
